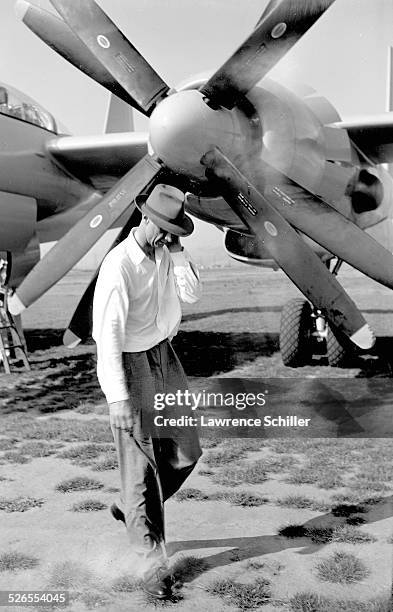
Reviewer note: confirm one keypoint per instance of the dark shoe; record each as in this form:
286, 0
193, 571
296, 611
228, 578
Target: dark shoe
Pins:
117, 513
158, 583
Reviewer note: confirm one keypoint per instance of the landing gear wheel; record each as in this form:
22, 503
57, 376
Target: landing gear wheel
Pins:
337, 350
296, 333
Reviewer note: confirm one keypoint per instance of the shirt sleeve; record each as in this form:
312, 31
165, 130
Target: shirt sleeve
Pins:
188, 282
110, 310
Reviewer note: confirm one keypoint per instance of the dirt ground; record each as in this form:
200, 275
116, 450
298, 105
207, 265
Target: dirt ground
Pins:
231, 333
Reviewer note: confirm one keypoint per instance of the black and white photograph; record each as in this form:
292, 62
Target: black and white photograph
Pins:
196, 306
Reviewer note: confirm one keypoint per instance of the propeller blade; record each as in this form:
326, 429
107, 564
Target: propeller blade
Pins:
112, 49
80, 326
279, 28
288, 249
57, 35
339, 235
78, 241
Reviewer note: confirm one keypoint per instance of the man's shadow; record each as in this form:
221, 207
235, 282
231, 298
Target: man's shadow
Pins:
242, 548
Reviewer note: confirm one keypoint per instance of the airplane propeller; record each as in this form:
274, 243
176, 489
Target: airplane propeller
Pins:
60, 37
119, 57
289, 250
279, 28
328, 227
109, 58
82, 236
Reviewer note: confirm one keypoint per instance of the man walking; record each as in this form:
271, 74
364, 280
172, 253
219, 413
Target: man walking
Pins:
136, 313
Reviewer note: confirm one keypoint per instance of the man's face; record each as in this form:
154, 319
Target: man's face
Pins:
155, 236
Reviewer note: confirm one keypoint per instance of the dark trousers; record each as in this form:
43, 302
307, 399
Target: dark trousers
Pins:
153, 463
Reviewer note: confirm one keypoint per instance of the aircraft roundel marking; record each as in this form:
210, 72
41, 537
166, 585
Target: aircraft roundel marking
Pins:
103, 41
278, 30
270, 228
96, 221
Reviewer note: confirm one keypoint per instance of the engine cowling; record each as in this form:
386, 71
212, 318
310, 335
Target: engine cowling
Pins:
244, 248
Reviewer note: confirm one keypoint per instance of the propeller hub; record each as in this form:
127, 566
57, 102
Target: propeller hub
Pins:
183, 128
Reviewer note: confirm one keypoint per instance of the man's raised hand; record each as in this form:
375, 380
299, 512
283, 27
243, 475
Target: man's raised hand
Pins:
175, 246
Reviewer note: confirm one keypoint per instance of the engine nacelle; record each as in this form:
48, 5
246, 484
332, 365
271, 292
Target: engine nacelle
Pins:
17, 222
244, 248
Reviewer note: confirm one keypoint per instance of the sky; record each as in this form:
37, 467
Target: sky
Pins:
344, 56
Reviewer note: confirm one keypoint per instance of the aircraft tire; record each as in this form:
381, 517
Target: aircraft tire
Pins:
337, 351
295, 333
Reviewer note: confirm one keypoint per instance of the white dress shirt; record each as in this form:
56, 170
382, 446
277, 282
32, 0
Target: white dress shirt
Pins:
136, 306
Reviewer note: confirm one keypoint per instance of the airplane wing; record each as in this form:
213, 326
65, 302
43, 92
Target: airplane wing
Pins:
372, 134
99, 160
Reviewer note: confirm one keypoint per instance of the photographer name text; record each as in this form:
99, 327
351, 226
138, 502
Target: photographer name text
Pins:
204, 421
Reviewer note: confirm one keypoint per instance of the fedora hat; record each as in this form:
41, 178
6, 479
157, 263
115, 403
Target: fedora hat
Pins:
165, 207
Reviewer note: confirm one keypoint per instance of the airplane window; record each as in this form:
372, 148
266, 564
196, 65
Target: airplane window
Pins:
16, 105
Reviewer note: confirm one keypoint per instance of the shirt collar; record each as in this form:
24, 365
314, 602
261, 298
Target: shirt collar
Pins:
134, 251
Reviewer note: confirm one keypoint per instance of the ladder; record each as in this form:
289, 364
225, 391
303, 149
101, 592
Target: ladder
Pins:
12, 347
